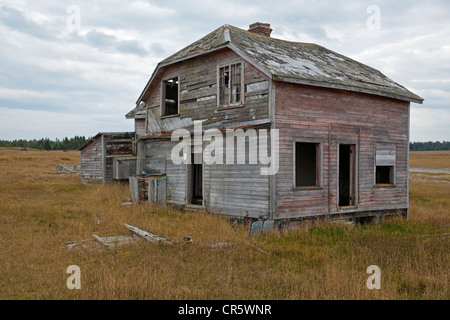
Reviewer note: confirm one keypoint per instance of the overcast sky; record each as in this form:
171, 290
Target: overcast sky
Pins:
77, 67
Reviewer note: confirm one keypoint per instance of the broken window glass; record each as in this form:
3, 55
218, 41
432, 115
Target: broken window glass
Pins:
230, 84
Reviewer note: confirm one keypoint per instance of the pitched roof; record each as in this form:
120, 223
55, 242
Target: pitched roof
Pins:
296, 62
101, 134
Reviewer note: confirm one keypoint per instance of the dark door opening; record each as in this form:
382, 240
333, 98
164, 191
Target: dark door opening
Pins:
197, 180
346, 175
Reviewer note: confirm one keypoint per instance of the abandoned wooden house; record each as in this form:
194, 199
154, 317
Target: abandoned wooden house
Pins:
343, 129
108, 157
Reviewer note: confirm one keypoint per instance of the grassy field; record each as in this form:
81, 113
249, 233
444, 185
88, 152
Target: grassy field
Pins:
41, 211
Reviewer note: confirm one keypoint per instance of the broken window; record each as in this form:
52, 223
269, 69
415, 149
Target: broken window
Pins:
230, 84
169, 104
307, 164
385, 165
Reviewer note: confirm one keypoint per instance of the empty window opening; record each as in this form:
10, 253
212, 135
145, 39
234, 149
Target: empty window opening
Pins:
385, 157
170, 97
385, 175
306, 164
230, 84
346, 175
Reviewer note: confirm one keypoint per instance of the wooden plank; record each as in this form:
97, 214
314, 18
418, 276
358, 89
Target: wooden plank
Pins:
134, 188
152, 192
147, 235
161, 190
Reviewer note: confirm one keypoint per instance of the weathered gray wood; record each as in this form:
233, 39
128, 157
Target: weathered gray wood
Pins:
147, 235
134, 188
115, 241
90, 161
161, 190
385, 155
198, 91
152, 192
157, 190
123, 168
97, 155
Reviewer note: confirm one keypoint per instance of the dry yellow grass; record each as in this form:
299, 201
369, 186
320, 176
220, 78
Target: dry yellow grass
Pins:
430, 159
40, 211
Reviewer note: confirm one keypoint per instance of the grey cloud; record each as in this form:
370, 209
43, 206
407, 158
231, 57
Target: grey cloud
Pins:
83, 77
157, 49
16, 20
105, 41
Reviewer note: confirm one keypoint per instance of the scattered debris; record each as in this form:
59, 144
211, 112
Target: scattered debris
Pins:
116, 241
147, 235
127, 203
343, 222
4, 244
436, 235
259, 227
219, 245
83, 245
64, 169
110, 242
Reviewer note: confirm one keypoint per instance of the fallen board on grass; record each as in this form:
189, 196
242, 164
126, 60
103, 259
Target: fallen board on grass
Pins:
147, 235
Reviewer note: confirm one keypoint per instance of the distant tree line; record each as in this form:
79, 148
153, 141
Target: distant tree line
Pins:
46, 144
76, 142
429, 146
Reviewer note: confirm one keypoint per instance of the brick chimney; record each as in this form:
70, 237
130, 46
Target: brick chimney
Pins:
261, 28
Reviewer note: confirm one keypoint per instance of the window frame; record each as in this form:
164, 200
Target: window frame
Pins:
229, 104
392, 166
163, 110
319, 166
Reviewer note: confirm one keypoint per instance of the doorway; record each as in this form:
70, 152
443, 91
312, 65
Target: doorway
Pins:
347, 175
197, 179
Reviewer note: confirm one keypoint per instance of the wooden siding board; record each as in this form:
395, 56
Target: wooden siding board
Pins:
237, 189
91, 162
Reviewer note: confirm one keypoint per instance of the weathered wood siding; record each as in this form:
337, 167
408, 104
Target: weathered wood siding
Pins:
332, 117
236, 189
116, 144
198, 94
97, 156
91, 162
231, 189
158, 160
139, 127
